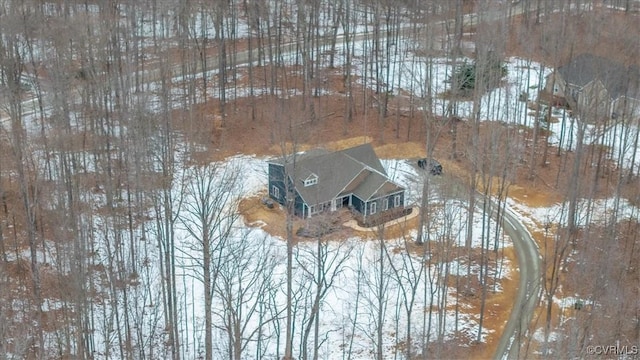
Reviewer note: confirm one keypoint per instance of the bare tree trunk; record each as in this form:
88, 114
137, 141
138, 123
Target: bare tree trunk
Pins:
289, 155
12, 67
380, 291
210, 217
575, 180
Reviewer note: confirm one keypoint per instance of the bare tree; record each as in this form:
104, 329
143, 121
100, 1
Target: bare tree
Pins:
379, 285
408, 276
326, 265
209, 216
11, 72
245, 276
554, 256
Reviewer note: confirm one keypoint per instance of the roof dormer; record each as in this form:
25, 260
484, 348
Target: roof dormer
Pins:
312, 179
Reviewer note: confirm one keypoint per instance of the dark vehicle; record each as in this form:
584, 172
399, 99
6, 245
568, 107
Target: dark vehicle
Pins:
434, 167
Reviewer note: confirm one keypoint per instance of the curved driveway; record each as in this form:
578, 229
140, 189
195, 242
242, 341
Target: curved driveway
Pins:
530, 265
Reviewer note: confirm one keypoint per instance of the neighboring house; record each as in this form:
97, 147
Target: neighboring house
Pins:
597, 87
322, 181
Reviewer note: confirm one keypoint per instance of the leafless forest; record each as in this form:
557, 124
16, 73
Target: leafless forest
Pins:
124, 125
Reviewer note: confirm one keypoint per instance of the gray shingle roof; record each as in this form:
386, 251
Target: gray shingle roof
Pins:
365, 154
356, 170
375, 186
585, 68
387, 188
370, 186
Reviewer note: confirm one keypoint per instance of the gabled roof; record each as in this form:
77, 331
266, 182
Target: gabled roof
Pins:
370, 186
364, 153
586, 68
355, 170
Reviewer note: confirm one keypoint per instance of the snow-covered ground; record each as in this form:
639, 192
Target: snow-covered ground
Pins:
595, 212
407, 71
370, 283
366, 284
356, 272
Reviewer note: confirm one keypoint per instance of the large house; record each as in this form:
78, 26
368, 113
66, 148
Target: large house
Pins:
321, 181
597, 87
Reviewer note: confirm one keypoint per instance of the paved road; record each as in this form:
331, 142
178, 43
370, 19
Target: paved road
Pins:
530, 265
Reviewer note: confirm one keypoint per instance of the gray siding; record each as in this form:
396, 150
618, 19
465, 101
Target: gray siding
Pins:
276, 178
391, 200
358, 204
299, 209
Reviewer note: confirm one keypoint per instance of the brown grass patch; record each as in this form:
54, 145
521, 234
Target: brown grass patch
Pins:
499, 306
406, 150
348, 143
335, 145
601, 32
454, 169
256, 214
533, 197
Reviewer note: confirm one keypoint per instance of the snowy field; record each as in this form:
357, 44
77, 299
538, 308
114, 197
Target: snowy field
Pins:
363, 284
356, 270
595, 212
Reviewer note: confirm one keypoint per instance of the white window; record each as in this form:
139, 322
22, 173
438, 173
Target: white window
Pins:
311, 180
385, 204
275, 191
372, 208
396, 201
312, 209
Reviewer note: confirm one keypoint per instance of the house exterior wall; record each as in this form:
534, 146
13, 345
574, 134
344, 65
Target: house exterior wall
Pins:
391, 199
572, 94
555, 85
358, 204
300, 209
597, 88
364, 207
380, 202
591, 101
594, 102
277, 192
276, 178
626, 109
394, 211
361, 206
